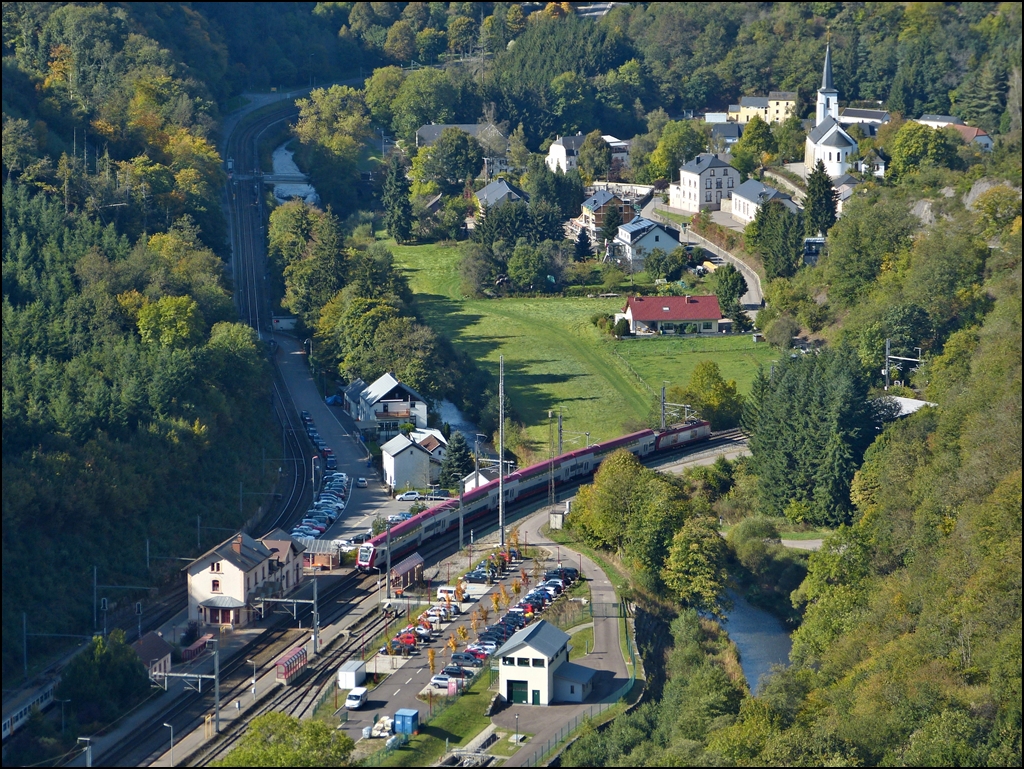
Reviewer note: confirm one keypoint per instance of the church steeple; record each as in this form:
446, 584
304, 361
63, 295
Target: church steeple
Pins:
828, 96
826, 75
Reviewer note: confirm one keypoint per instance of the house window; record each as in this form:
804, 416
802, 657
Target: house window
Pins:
707, 197
725, 172
730, 182
712, 171
718, 184
508, 661
707, 325
215, 566
523, 662
572, 689
707, 183
215, 586
657, 238
538, 663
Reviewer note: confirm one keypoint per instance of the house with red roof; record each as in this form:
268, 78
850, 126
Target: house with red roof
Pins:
672, 314
971, 134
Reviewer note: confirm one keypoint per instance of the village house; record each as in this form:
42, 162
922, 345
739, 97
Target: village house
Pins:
844, 186
480, 477
381, 408
972, 135
672, 314
491, 139
155, 654
870, 117
563, 154
939, 121
409, 464
594, 210
724, 135
225, 580
751, 195
534, 668
498, 193
636, 239
703, 182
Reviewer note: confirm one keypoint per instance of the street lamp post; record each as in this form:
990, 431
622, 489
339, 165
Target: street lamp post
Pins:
517, 729
172, 742
61, 713
253, 663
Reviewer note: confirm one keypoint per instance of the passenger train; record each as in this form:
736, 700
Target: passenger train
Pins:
18, 710
522, 485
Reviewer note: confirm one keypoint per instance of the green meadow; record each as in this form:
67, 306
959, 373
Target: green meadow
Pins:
555, 358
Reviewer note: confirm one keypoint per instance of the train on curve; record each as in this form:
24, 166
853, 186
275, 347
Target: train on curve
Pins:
520, 486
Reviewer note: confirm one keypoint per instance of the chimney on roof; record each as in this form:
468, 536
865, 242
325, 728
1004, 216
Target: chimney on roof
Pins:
237, 544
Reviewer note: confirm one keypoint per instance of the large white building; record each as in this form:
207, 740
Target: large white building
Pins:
703, 182
534, 668
827, 141
748, 198
637, 238
381, 408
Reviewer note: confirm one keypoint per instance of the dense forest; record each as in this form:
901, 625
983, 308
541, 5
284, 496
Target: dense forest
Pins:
126, 374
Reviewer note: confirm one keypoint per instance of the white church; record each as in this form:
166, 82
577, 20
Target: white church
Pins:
827, 141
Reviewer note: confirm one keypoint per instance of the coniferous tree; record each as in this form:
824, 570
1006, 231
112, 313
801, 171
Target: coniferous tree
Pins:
582, 248
397, 207
612, 222
457, 463
777, 235
820, 208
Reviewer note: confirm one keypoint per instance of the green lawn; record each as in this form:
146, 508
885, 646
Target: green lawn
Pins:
555, 358
460, 723
581, 641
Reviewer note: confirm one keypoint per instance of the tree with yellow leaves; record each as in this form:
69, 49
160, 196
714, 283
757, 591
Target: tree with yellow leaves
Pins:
452, 643
484, 614
431, 660
460, 594
523, 577
504, 595
517, 588
496, 602
462, 633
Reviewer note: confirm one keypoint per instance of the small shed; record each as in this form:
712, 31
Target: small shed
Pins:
320, 553
408, 571
407, 721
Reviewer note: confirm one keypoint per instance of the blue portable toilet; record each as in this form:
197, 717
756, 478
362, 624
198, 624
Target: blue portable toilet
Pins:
407, 721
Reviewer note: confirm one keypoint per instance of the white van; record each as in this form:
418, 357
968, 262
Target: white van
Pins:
356, 698
446, 590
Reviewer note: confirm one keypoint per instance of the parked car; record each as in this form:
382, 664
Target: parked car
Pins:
465, 658
439, 682
457, 671
409, 496
358, 539
480, 654
361, 483
331, 463
488, 647
336, 477
477, 577
306, 416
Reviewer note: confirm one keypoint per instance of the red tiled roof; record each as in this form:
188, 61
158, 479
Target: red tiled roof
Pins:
670, 308
970, 133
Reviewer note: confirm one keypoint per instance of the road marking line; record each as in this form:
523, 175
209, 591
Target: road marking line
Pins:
408, 682
397, 691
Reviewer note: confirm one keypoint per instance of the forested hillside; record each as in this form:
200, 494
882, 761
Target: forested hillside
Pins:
133, 401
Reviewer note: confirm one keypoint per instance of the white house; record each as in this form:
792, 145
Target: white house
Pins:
636, 239
939, 121
432, 440
498, 192
407, 464
480, 477
828, 141
381, 408
619, 148
751, 195
534, 668
224, 581
703, 182
872, 117
972, 135
563, 154
671, 314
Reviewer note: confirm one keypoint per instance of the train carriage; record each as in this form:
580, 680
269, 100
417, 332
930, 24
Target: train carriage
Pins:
524, 483
292, 666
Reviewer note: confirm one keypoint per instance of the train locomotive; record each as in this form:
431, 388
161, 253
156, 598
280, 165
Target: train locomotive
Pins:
522, 485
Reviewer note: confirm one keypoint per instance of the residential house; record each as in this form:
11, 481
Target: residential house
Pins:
716, 117
480, 477
751, 106
978, 136
491, 139
636, 239
498, 193
724, 135
286, 558
703, 182
225, 580
155, 654
671, 314
939, 121
873, 117
828, 141
380, 408
781, 104
844, 186
751, 195
563, 154
594, 210
534, 668
408, 465
873, 163
432, 440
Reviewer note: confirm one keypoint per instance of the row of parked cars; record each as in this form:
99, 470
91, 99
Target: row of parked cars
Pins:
425, 630
329, 504
325, 451
492, 637
488, 570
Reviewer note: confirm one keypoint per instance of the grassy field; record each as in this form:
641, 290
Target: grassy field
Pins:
581, 641
555, 358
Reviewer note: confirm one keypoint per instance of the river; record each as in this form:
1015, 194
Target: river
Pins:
284, 164
760, 637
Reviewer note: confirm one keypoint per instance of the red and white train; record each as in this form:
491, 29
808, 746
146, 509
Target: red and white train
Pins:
522, 485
